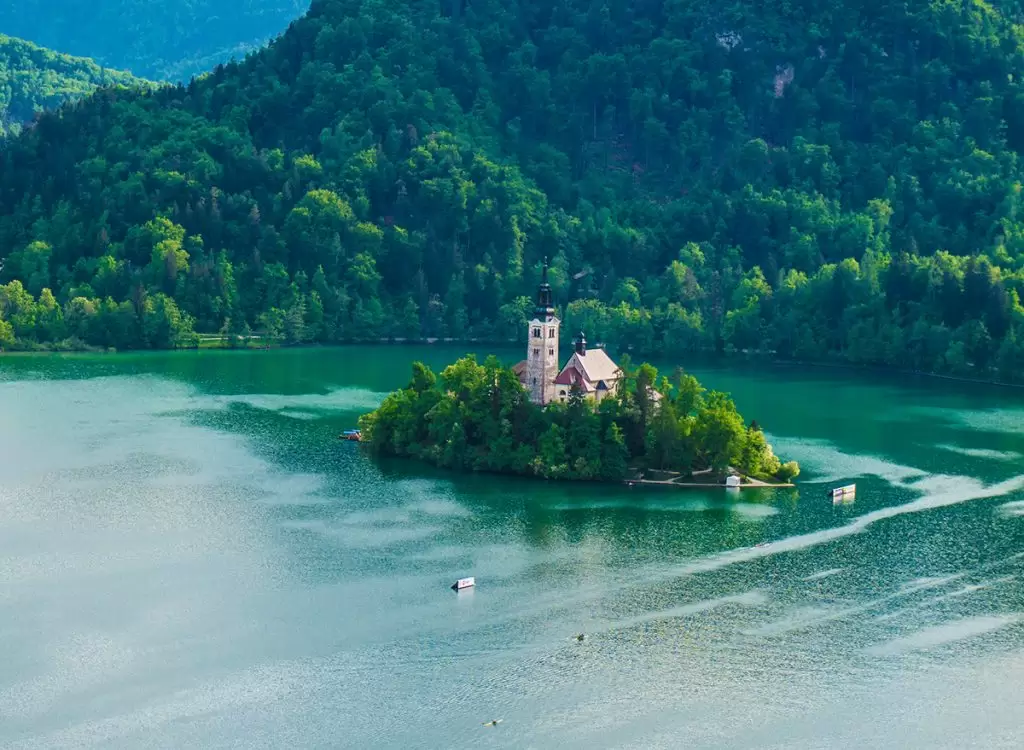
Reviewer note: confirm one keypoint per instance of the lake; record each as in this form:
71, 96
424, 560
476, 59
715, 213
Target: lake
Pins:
190, 557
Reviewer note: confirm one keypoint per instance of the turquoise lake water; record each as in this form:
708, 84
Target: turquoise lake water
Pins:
190, 557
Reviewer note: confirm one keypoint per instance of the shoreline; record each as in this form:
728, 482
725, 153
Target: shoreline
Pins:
765, 359
749, 485
696, 480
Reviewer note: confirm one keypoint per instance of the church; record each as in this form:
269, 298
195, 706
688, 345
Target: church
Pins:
593, 372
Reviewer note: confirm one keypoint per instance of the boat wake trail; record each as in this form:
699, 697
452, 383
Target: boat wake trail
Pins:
823, 574
813, 616
956, 594
944, 492
1013, 509
947, 632
982, 453
748, 599
941, 491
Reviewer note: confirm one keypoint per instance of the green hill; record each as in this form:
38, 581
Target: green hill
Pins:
158, 39
33, 79
811, 180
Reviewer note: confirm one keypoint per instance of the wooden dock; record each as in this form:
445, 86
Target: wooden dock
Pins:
678, 480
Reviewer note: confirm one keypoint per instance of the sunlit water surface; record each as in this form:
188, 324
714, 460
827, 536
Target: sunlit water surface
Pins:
190, 558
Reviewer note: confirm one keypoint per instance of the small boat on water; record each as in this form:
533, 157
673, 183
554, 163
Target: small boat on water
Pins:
351, 435
464, 583
839, 494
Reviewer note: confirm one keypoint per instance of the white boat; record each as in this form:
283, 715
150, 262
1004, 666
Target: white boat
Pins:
843, 493
464, 583
732, 481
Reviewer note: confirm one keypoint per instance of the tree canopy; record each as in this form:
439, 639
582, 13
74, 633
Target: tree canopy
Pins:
33, 79
478, 417
165, 40
808, 180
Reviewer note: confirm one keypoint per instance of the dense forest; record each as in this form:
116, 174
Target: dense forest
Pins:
33, 79
478, 417
159, 39
813, 180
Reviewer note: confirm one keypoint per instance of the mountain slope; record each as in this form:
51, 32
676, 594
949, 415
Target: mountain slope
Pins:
159, 39
816, 181
33, 79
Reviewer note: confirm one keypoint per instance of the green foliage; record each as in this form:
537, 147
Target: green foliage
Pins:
798, 179
155, 321
756, 456
719, 432
6, 335
479, 418
789, 471
160, 39
33, 79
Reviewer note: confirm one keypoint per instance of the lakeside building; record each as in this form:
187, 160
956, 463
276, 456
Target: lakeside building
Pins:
592, 371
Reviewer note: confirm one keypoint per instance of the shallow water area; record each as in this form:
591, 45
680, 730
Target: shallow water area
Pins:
189, 555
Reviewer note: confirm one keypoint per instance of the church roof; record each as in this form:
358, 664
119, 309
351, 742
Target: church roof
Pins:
571, 376
545, 309
568, 376
519, 368
595, 364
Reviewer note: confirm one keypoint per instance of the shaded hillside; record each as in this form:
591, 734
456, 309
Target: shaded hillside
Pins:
33, 79
818, 182
159, 39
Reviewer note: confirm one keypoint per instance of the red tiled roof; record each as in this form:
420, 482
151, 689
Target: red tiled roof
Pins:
568, 376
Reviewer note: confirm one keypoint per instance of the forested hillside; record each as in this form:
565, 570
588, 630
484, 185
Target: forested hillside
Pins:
158, 39
33, 79
817, 180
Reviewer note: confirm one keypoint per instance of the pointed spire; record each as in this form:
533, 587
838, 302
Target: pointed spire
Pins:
545, 308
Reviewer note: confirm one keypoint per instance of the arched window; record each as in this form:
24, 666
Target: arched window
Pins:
551, 332
536, 333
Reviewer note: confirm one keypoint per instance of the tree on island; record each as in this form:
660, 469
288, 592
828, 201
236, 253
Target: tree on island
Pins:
478, 417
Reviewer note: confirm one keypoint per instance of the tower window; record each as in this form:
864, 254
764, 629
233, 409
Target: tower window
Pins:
551, 332
536, 353
551, 352
536, 333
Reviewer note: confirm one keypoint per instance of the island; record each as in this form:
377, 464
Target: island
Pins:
479, 417
592, 419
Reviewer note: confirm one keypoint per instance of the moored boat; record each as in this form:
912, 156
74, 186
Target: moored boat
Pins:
843, 493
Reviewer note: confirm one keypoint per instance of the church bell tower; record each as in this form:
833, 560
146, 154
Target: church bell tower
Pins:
542, 346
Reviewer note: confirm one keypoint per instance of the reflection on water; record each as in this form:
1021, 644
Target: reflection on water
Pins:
190, 556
